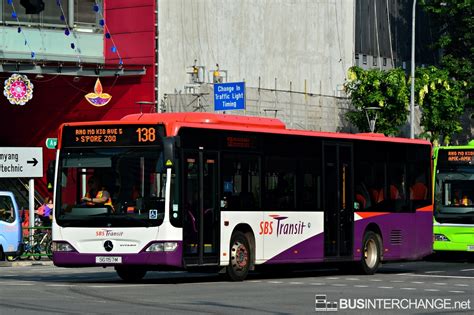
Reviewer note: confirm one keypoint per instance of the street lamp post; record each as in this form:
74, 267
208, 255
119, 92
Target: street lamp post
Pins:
412, 89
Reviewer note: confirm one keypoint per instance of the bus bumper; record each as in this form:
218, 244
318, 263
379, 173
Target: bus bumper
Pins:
453, 238
143, 258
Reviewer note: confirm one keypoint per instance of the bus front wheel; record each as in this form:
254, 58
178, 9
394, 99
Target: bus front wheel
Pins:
239, 263
130, 274
371, 253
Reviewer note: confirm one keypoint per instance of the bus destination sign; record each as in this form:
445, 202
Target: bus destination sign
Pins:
456, 156
110, 135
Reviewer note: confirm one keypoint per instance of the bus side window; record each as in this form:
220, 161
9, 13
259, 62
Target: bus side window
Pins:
240, 182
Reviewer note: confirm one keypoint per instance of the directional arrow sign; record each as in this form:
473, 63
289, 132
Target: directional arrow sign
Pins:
21, 162
34, 162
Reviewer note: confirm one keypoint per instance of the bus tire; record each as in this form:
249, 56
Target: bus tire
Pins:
130, 274
2, 254
239, 260
371, 253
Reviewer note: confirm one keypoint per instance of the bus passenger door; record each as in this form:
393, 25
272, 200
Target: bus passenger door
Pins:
338, 200
200, 228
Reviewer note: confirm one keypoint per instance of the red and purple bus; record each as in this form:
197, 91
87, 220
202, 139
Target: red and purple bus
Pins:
191, 190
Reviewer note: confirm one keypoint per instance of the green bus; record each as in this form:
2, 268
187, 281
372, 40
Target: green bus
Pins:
453, 180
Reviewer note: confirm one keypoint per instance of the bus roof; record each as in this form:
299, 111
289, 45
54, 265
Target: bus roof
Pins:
174, 121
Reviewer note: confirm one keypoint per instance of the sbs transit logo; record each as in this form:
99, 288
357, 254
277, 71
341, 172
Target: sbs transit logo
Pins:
278, 227
108, 233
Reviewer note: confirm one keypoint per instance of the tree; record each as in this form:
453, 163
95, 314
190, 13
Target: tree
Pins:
454, 20
385, 90
441, 101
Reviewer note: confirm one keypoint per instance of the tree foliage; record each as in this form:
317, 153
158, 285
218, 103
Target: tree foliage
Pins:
441, 100
385, 91
454, 20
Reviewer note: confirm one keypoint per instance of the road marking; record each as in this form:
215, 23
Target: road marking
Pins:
332, 278
339, 285
317, 283
467, 270
440, 283
295, 282
375, 280
437, 271
275, 282
397, 281
18, 283
59, 285
432, 290
434, 276
407, 288
461, 285
456, 291
385, 287
417, 282
117, 286
255, 281
361, 286
353, 279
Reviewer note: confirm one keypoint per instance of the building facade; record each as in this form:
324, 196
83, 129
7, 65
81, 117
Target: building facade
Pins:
292, 54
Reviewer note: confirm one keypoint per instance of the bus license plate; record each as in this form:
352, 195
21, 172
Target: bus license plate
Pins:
470, 248
108, 260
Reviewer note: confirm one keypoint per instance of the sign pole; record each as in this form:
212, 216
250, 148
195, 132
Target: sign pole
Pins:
31, 199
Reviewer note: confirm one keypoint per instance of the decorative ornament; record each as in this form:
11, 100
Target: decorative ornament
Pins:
18, 89
98, 98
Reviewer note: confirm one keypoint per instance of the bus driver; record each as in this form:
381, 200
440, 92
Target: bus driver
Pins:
97, 195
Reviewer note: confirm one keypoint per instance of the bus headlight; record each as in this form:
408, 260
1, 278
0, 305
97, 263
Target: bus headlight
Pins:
62, 247
162, 247
441, 238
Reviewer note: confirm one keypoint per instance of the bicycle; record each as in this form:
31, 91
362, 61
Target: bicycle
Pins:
42, 243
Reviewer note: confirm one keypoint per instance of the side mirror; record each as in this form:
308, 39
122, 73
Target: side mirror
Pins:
169, 145
50, 174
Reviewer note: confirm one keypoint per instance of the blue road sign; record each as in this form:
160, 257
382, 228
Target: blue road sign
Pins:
228, 96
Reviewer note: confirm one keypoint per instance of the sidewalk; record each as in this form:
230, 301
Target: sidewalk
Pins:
26, 263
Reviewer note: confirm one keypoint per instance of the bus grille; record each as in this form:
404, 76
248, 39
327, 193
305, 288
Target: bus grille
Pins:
396, 237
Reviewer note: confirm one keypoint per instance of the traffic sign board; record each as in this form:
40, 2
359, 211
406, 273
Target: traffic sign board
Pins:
51, 143
21, 162
229, 96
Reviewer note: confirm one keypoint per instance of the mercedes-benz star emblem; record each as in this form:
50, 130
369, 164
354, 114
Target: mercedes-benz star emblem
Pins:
108, 246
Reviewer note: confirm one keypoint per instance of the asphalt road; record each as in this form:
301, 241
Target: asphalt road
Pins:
428, 287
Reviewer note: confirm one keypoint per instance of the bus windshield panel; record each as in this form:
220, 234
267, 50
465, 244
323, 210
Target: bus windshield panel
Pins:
454, 195
111, 186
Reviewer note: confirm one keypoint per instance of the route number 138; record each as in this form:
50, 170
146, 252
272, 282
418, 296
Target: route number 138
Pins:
146, 134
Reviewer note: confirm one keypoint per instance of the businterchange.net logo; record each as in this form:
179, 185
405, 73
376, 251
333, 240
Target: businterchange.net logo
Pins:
321, 304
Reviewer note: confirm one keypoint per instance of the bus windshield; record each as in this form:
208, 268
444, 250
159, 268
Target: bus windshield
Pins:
113, 187
454, 195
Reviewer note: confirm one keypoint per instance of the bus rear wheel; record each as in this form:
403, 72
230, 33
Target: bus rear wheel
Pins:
130, 274
371, 253
239, 263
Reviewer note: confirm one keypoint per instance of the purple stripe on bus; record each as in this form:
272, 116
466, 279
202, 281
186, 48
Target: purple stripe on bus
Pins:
404, 236
74, 259
309, 250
